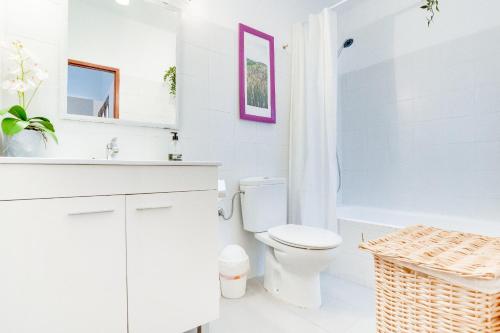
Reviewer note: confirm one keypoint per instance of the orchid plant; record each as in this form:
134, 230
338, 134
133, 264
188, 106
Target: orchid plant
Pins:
25, 78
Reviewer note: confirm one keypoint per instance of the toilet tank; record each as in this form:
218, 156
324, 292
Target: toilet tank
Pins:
263, 203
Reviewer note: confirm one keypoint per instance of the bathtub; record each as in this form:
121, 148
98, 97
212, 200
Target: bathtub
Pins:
400, 219
358, 224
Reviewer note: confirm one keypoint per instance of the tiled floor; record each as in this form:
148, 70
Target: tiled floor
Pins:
347, 308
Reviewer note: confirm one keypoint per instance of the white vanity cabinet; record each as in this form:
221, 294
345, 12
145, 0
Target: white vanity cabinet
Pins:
107, 247
156, 303
62, 265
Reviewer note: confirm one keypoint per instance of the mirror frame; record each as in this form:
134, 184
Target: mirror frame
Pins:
63, 88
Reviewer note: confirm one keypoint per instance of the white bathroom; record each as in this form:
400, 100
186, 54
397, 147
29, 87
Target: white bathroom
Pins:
241, 166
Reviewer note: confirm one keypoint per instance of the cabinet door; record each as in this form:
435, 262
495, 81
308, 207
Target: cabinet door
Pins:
63, 266
172, 261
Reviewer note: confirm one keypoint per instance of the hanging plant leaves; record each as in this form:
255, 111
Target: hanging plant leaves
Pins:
432, 7
170, 75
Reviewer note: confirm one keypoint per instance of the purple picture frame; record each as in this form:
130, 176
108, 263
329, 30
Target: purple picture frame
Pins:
244, 29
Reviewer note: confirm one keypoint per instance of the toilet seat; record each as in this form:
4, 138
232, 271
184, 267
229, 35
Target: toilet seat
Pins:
304, 237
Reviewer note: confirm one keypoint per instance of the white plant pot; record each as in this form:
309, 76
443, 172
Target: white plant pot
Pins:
24, 144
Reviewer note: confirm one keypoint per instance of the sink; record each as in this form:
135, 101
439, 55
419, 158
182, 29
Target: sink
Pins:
76, 161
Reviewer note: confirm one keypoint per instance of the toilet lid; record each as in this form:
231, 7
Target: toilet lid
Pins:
305, 237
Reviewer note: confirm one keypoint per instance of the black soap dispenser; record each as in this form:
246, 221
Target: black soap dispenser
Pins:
175, 148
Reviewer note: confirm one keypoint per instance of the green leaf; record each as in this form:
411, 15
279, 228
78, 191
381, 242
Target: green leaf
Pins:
11, 126
53, 136
171, 75
37, 127
19, 112
45, 123
41, 118
3, 111
44, 127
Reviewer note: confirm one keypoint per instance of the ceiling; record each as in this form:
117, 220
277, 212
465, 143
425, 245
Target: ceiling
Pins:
139, 10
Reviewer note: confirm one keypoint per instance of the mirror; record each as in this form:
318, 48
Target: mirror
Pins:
122, 62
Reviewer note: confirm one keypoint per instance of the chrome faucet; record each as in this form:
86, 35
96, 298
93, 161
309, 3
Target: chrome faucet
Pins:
112, 149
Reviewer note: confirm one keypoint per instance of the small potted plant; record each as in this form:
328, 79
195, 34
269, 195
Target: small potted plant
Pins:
24, 135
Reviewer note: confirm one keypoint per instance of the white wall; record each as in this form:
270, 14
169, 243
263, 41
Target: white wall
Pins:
387, 29
208, 101
210, 120
273, 16
420, 108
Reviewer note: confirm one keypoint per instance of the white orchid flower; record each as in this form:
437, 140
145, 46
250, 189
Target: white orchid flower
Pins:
10, 85
18, 52
15, 86
40, 73
26, 73
31, 82
17, 44
21, 86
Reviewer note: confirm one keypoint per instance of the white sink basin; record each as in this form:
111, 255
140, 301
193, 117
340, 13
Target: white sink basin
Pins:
70, 161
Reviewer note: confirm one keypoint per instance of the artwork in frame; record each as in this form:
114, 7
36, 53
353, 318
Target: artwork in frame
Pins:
257, 75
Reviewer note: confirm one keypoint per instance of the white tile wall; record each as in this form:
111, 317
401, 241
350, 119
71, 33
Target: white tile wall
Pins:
421, 132
211, 128
208, 100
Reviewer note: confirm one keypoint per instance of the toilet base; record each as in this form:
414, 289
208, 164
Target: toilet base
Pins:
298, 288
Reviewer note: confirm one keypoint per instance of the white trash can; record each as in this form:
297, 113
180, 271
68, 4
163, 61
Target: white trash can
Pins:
233, 270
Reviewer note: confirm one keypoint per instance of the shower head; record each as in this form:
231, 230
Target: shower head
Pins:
347, 44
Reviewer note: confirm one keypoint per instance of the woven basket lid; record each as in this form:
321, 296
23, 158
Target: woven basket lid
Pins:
455, 253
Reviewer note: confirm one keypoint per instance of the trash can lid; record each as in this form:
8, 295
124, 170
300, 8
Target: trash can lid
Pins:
233, 254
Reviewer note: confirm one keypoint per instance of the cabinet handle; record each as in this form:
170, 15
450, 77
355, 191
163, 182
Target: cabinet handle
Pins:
91, 212
141, 209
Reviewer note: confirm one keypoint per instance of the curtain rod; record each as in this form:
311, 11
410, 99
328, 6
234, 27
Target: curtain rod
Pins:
338, 4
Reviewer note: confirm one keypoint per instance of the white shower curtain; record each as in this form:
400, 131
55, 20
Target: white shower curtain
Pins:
313, 123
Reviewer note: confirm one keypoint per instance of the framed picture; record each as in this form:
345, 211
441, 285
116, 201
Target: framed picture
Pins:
257, 76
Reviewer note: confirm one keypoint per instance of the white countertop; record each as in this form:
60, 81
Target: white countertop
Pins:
74, 161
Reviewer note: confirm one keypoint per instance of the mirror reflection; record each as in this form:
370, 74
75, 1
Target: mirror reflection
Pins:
93, 90
122, 61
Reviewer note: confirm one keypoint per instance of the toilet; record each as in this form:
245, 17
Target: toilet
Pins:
295, 254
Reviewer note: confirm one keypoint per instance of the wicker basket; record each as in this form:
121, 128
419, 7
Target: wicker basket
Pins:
434, 281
